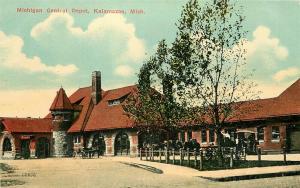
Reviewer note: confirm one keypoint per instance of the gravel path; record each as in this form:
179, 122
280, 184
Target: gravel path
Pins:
120, 173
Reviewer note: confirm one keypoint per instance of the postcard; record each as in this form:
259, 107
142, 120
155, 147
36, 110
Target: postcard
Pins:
139, 93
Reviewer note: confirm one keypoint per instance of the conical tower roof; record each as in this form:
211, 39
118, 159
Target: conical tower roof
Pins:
61, 101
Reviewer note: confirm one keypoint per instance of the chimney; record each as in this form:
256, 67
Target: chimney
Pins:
96, 87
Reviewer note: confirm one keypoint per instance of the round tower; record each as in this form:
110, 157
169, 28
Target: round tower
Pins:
62, 117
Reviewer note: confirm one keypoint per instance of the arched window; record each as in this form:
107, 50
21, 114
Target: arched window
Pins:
7, 145
122, 144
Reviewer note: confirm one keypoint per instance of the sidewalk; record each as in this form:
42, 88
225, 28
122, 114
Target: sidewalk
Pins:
219, 175
275, 157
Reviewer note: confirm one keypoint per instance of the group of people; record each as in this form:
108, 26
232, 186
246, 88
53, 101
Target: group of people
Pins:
192, 144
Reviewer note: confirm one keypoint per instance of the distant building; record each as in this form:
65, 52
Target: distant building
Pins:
94, 118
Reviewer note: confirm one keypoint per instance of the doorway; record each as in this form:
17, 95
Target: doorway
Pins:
25, 152
122, 144
43, 148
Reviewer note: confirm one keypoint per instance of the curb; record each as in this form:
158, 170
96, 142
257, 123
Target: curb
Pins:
252, 176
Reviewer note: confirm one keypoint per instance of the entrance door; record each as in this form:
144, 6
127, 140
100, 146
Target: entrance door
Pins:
25, 152
293, 141
122, 144
42, 149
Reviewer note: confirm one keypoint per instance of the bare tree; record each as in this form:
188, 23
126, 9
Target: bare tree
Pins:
209, 59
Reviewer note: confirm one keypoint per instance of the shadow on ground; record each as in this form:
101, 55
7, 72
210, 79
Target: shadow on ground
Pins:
145, 167
6, 171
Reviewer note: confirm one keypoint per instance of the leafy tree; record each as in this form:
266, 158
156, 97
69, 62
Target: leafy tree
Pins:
153, 107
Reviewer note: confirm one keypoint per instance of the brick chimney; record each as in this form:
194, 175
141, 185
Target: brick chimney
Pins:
96, 87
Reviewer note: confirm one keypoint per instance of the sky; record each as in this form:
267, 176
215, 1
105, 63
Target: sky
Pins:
42, 51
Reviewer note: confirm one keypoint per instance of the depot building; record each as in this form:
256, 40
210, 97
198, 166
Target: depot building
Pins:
92, 117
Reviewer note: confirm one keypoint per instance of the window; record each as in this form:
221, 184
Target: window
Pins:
182, 136
189, 135
114, 102
275, 134
203, 136
260, 134
211, 136
76, 139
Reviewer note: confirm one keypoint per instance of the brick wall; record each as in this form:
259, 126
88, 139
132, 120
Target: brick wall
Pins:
270, 144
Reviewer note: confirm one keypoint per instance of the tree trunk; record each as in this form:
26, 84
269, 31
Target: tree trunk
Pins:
220, 144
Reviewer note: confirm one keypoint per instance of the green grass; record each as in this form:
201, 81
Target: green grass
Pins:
213, 164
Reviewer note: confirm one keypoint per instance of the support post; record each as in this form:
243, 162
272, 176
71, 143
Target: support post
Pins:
195, 154
231, 157
284, 154
173, 153
166, 155
259, 156
201, 160
188, 157
141, 158
159, 154
152, 154
181, 157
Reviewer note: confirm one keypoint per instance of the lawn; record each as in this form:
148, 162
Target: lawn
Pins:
213, 164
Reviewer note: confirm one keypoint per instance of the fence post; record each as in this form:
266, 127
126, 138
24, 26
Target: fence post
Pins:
245, 155
284, 154
188, 156
195, 154
180, 153
152, 155
231, 157
159, 153
141, 158
173, 153
201, 160
146, 152
166, 155
259, 155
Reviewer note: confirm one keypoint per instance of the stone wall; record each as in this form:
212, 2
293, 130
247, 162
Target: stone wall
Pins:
62, 144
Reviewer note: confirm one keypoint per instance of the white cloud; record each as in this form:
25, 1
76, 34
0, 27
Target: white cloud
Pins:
49, 25
112, 31
286, 73
271, 89
27, 103
124, 70
11, 56
264, 48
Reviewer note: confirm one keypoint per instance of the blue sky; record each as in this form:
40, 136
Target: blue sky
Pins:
42, 51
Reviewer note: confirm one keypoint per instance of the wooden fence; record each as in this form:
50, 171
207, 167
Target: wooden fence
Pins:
189, 158
196, 158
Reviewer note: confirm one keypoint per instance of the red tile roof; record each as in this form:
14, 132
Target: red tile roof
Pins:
27, 125
101, 116
286, 104
82, 97
61, 101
